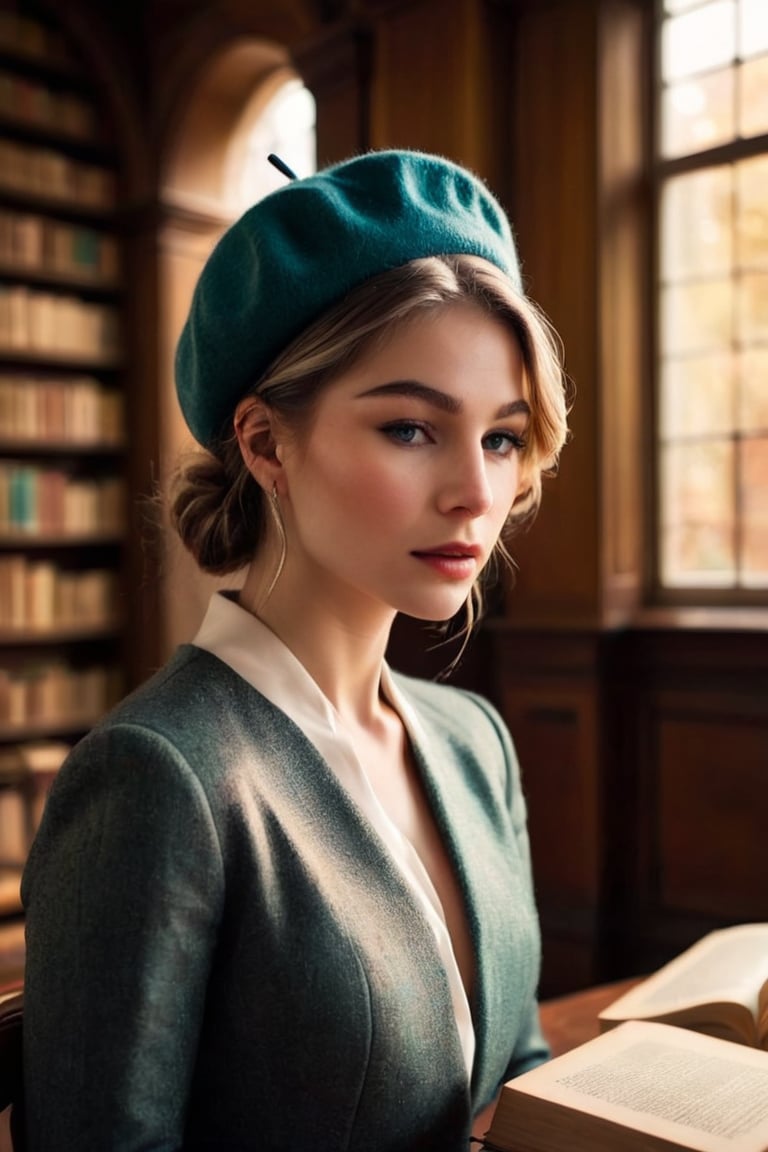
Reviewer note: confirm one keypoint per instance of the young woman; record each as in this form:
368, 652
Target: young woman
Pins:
281, 897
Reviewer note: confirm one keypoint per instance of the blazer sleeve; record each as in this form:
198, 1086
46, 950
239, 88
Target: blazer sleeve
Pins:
531, 1047
123, 893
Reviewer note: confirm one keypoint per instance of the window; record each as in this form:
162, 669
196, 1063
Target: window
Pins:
712, 368
285, 126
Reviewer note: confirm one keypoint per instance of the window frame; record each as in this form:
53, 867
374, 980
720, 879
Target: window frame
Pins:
661, 170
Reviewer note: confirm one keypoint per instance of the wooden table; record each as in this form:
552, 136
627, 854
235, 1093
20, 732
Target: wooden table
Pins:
568, 1021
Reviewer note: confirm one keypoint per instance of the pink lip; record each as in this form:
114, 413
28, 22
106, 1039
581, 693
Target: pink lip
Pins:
455, 550
453, 561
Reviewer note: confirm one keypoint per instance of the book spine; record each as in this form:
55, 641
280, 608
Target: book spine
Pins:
52, 692
39, 596
46, 172
77, 410
40, 501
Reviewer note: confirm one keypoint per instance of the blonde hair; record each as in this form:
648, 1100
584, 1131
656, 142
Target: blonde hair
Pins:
221, 513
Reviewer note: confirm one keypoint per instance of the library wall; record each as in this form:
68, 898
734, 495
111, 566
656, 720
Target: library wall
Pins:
63, 418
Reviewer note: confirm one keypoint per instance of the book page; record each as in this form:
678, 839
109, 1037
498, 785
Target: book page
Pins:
762, 1016
731, 964
708, 1094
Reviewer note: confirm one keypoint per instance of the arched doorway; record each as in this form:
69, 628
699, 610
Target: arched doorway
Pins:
248, 102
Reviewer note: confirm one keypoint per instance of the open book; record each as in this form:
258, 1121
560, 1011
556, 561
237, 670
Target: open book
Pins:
719, 986
640, 1087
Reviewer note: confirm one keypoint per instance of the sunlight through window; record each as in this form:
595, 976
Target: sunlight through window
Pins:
286, 126
712, 368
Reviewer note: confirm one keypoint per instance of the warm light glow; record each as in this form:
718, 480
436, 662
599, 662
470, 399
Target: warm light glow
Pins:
698, 40
713, 298
287, 127
688, 99
674, 6
753, 27
705, 132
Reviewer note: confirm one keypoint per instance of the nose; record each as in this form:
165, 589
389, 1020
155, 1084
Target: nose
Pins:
466, 485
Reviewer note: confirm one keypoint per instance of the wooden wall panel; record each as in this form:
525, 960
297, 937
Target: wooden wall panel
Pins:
336, 66
686, 805
624, 293
554, 209
580, 205
645, 763
555, 736
423, 94
441, 82
713, 813
546, 689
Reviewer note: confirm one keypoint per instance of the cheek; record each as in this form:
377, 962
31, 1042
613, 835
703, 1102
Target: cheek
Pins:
505, 485
360, 488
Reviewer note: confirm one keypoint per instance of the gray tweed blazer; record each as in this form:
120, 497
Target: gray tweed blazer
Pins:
221, 954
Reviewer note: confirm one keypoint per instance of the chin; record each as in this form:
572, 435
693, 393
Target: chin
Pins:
435, 614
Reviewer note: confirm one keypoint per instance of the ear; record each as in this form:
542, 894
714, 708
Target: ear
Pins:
255, 430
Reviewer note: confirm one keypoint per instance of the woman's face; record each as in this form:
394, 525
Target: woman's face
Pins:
394, 497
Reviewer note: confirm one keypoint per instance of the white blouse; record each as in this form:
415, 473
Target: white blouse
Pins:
252, 650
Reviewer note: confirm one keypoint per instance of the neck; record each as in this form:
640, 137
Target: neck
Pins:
341, 644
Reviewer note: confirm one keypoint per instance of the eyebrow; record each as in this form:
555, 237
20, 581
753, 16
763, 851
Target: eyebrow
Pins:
440, 399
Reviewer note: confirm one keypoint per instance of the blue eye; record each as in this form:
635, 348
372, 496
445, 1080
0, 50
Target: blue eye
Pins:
405, 432
504, 443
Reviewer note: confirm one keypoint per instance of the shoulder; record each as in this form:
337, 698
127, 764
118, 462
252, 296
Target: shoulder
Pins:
193, 699
191, 678
192, 724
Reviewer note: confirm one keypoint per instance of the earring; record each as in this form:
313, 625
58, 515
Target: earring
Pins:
277, 519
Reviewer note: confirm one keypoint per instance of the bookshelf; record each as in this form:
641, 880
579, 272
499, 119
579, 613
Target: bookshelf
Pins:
62, 420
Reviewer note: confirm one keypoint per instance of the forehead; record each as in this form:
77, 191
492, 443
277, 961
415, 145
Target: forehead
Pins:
457, 347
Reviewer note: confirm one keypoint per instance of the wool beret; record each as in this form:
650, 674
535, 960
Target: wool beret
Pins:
301, 249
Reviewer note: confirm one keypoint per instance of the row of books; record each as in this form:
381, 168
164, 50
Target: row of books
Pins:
26, 773
38, 595
33, 103
72, 410
51, 174
22, 35
53, 692
39, 244
52, 501
37, 321
21, 809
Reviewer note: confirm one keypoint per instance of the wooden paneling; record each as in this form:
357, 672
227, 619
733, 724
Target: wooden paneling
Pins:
644, 756
440, 82
547, 691
553, 79
623, 303
686, 804
336, 65
580, 206
712, 811
555, 735
424, 50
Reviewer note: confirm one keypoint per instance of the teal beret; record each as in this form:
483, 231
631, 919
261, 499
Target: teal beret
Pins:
304, 247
